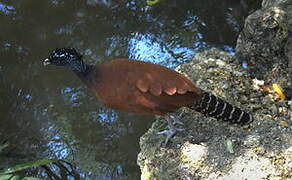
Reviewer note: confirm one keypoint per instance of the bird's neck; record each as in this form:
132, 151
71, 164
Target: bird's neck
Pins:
83, 71
88, 75
78, 66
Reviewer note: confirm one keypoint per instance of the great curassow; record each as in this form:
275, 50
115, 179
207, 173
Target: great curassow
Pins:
141, 87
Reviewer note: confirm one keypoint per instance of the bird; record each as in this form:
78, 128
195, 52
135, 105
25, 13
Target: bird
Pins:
145, 88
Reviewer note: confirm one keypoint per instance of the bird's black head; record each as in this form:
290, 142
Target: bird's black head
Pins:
66, 57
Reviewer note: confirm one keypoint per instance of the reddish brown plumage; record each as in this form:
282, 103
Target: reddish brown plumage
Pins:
140, 87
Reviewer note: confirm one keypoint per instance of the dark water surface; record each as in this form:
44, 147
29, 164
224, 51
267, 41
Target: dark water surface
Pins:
48, 112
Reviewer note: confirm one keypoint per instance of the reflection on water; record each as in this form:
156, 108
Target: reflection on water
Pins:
48, 112
148, 47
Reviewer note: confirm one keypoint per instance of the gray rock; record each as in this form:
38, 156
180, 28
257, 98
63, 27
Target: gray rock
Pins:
265, 43
258, 152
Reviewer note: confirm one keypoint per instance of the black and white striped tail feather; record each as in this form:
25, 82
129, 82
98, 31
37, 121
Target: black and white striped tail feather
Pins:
213, 106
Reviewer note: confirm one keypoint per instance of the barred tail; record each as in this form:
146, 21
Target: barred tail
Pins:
213, 106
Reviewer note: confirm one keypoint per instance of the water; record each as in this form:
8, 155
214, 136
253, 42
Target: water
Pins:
49, 113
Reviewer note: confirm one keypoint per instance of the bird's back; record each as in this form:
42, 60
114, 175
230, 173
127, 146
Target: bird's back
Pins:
140, 87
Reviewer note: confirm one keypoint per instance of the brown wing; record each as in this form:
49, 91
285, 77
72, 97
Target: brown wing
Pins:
141, 87
157, 80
